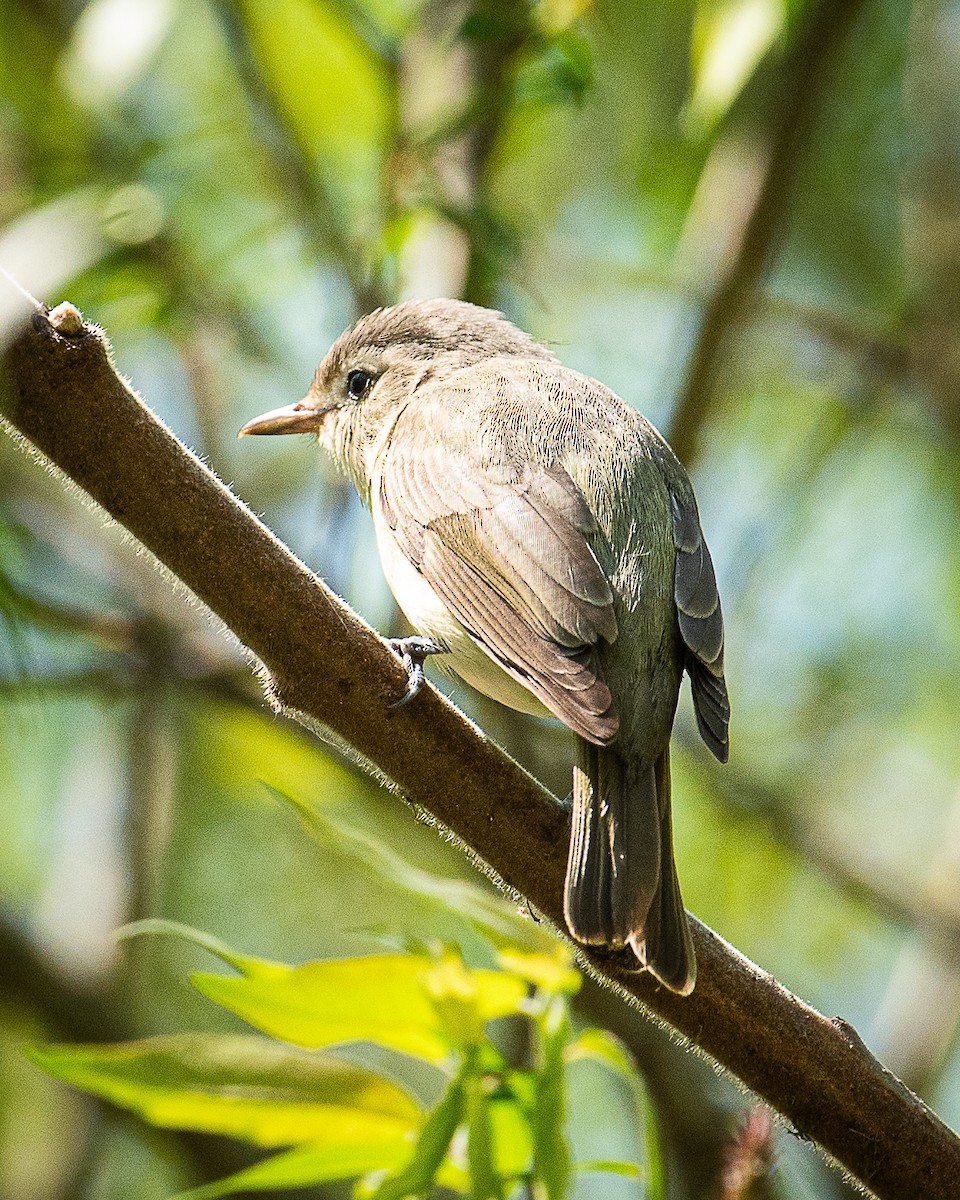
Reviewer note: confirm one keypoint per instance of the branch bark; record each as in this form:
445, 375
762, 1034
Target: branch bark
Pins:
65, 397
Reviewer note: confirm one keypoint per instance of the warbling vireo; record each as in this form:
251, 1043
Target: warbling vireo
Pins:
541, 533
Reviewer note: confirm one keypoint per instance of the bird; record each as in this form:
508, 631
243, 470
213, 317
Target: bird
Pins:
539, 533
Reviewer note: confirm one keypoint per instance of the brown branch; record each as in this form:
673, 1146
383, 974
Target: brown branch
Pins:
803, 75
892, 897
65, 397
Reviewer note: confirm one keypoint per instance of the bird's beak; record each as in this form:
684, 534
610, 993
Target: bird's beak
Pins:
302, 417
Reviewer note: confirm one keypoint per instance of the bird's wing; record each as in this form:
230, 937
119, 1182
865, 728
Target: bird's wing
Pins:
701, 621
507, 552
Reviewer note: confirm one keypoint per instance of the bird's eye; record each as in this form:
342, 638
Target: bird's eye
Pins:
358, 384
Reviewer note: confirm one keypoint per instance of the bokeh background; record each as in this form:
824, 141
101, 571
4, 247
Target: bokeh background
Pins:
740, 214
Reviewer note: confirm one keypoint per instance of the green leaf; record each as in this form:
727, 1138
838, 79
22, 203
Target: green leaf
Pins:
405, 1002
557, 15
657, 1167
562, 73
551, 1154
731, 37
380, 999
312, 58
549, 972
465, 998
609, 1051
485, 1184
309, 1165
244, 1087
510, 1130
611, 1167
604, 1048
489, 913
431, 1149
206, 941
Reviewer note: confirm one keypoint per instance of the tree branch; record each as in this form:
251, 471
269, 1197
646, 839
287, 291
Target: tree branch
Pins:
804, 74
324, 663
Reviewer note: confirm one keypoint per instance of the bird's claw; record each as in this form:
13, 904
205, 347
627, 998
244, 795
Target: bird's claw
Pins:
413, 652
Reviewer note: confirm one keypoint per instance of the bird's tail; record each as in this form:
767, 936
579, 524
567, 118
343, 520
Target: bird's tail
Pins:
621, 888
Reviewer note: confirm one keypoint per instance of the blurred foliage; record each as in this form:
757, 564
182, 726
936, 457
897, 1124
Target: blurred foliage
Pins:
224, 186
496, 1125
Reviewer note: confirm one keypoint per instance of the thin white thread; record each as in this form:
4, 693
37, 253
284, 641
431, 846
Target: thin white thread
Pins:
41, 308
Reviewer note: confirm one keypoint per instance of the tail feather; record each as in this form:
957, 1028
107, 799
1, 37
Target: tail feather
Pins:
666, 946
621, 886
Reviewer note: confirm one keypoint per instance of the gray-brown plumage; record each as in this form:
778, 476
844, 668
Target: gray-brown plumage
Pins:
542, 532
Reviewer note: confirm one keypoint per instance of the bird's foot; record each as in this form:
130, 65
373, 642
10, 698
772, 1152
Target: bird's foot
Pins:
413, 652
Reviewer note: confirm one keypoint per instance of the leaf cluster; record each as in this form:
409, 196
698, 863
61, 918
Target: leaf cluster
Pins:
497, 1126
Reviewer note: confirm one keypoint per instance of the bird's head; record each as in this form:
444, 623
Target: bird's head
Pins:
372, 371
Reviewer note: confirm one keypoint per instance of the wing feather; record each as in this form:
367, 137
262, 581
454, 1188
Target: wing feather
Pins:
509, 555
701, 621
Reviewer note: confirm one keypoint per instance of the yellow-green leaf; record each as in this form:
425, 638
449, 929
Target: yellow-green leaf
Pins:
379, 998
244, 1087
550, 972
206, 941
486, 911
511, 1134
604, 1048
551, 1154
485, 1183
465, 998
309, 1165
430, 1151
610, 1167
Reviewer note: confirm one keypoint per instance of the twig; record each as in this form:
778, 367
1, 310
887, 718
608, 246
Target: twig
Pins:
117, 631
326, 665
18, 287
804, 75
150, 782
104, 684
